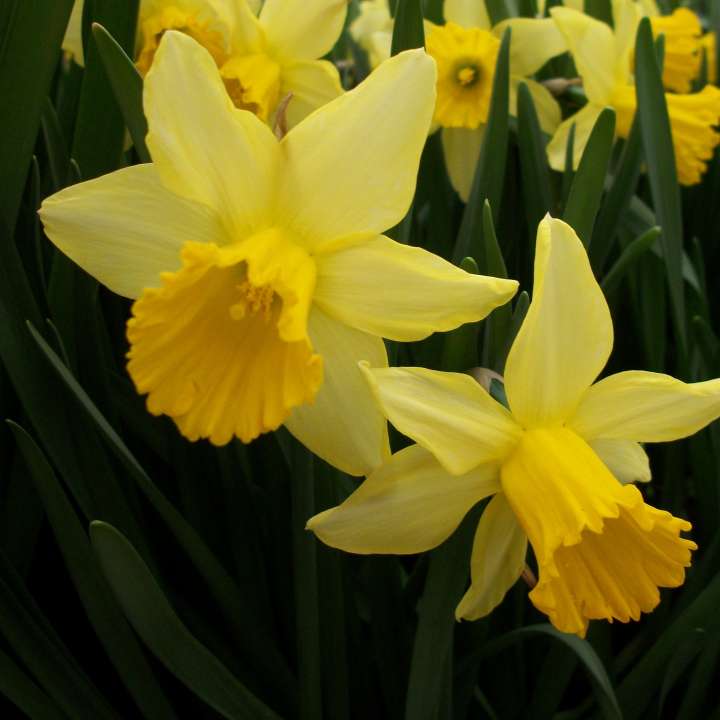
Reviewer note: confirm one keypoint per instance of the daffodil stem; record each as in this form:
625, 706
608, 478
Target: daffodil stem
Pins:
307, 618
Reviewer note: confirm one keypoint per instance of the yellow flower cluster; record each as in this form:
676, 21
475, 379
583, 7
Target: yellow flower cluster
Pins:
263, 287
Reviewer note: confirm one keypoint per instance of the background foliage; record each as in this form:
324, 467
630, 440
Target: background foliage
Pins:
142, 576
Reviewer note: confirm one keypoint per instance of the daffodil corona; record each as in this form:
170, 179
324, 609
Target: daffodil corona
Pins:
258, 268
560, 462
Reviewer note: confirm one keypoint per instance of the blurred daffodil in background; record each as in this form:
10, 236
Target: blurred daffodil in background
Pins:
372, 30
602, 57
258, 268
466, 50
559, 463
262, 57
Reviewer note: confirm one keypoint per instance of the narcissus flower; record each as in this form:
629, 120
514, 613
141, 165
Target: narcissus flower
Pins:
372, 29
260, 273
261, 58
466, 50
708, 46
602, 58
560, 462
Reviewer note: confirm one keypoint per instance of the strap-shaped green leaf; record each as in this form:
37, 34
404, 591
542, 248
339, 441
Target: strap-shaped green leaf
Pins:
408, 31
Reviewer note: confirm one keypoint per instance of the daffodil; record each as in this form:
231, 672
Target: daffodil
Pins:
602, 58
466, 50
72, 42
261, 58
708, 45
372, 29
258, 268
559, 463
682, 31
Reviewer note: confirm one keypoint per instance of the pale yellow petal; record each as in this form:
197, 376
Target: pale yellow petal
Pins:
468, 13
498, 559
408, 505
344, 425
403, 292
626, 16
125, 228
351, 166
246, 33
461, 148
592, 45
313, 83
546, 105
646, 407
204, 148
449, 414
566, 337
72, 42
584, 121
302, 29
625, 459
534, 42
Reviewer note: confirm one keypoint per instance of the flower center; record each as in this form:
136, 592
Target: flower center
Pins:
170, 17
601, 551
253, 83
221, 346
466, 60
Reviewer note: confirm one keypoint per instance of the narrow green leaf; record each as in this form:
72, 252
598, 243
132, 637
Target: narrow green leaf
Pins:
490, 171
587, 185
533, 161
617, 200
30, 39
522, 303
604, 693
638, 690
127, 86
629, 256
498, 11
408, 31
307, 620
58, 158
24, 693
155, 621
106, 618
262, 654
660, 160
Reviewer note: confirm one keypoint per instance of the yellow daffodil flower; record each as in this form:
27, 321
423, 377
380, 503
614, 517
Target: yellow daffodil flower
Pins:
261, 58
259, 270
372, 30
560, 461
466, 49
682, 31
708, 45
72, 42
602, 58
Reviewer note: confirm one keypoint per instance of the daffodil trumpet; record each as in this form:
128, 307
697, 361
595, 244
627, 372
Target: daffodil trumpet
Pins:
258, 266
560, 462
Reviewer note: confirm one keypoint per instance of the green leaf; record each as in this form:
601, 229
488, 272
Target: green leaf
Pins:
604, 693
24, 693
600, 9
30, 38
408, 31
617, 200
587, 185
155, 621
490, 171
639, 688
460, 346
498, 11
629, 256
660, 160
107, 620
522, 303
257, 643
58, 158
127, 85
533, 162
99, 128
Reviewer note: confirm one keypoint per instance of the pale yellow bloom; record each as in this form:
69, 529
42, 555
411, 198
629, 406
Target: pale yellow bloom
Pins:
372, 29
258, 266
602, 58
261, 58
466, 49
72, 42
560, 461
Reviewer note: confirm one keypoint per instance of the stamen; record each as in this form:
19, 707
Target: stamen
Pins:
255, 299
467, 75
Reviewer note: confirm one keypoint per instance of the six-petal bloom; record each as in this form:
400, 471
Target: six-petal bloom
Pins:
560, 461
259, 268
